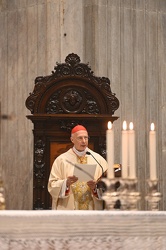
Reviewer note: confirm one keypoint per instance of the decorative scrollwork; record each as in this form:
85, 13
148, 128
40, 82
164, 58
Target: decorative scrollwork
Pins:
72, 59
71, 69
39, 162
53, 104
72, 101
68, 125
39, 172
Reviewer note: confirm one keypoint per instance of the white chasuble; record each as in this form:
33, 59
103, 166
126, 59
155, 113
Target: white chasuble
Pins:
80, 196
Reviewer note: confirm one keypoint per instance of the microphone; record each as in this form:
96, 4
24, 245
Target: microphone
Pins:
89, 153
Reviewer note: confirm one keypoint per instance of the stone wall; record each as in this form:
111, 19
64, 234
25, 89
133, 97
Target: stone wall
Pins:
123, 40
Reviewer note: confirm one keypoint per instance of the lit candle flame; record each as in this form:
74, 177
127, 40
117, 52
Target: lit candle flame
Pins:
131, 126
109, 125
152, 126
124, 125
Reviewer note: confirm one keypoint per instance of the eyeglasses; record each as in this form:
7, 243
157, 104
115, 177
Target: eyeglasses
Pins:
81, 138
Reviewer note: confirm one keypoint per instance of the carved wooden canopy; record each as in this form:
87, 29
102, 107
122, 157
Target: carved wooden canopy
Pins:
70, 95
72, 88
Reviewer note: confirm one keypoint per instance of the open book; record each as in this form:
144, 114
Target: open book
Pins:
84, 172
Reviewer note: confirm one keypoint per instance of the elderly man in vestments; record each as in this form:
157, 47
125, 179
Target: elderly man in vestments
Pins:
68, 193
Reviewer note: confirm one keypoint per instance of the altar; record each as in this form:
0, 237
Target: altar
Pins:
73, 230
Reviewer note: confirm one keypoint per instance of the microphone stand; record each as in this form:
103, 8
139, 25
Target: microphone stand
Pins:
89, 153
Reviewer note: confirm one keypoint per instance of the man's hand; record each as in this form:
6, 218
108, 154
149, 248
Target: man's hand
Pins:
92, 185
71, 180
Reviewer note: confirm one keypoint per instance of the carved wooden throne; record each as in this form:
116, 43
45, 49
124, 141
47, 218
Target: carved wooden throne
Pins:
71, 95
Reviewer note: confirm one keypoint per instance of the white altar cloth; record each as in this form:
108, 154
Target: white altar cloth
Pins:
80, 230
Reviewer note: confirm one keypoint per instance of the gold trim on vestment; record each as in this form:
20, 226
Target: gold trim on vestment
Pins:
82, 159
82, 194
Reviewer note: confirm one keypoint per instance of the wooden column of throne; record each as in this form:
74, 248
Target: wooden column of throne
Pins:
71, 95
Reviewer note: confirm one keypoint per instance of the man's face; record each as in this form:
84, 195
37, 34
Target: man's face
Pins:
80, 140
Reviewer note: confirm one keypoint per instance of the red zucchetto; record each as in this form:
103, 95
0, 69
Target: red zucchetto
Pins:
78, 128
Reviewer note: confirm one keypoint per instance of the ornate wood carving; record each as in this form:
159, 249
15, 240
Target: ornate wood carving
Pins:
72, 88
70, 95
39, 171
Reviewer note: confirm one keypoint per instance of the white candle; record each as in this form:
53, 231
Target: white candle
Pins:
124, 151
110, 150
132, 168
152, 152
